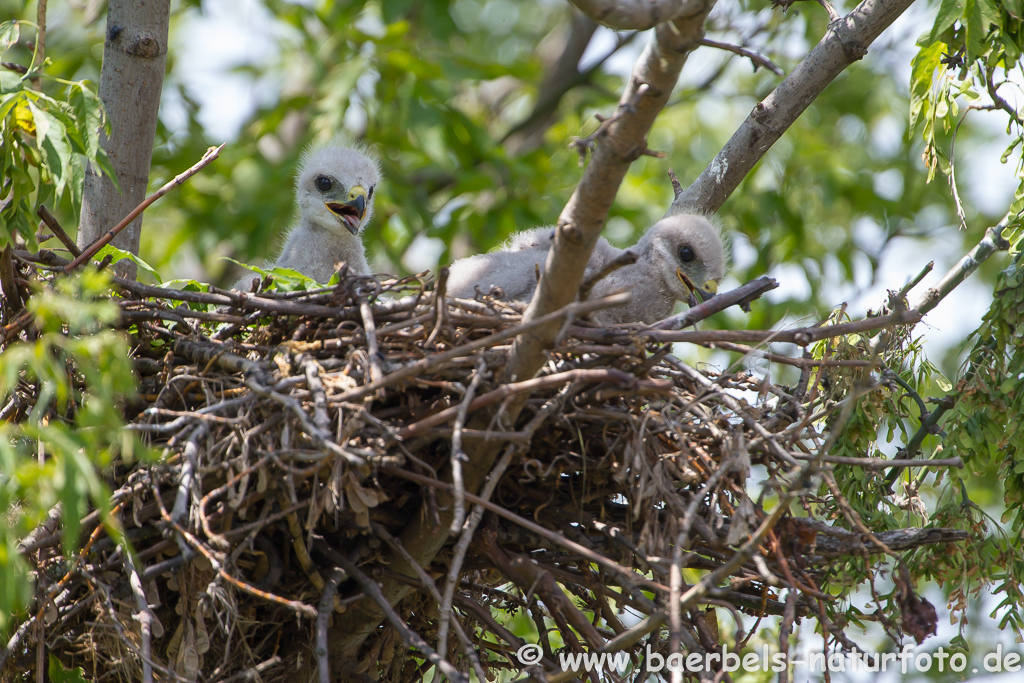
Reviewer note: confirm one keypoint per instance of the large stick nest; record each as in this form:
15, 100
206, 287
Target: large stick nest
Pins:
302, 432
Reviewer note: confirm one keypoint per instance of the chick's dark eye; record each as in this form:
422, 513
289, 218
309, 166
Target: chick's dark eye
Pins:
686, 254
369, 195
323, 183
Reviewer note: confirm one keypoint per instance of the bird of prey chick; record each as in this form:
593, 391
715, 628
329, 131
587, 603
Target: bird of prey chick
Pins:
680, 258
334, 192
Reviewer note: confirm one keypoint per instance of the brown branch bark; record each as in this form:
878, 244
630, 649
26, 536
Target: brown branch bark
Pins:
637, 15
845, 42
134, 61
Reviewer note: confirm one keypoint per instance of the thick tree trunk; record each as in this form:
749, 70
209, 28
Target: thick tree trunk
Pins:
134, 59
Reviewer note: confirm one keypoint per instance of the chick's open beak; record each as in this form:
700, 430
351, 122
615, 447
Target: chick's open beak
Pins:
352, 211
697, 294
690, 287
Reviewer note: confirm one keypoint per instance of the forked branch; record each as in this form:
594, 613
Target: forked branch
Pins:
845, 42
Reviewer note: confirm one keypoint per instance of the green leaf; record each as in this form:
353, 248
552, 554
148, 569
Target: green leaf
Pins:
120, 255
89, 115
949, 12
924, 65
990, 15
10, 31
58, 674
9, 102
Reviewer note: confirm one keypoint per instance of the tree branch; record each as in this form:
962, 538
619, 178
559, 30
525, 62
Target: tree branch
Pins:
755, 57
637, 15
992, 242
583, 218
562, 75
845, 42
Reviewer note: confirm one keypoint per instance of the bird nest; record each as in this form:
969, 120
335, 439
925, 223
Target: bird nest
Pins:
312, 440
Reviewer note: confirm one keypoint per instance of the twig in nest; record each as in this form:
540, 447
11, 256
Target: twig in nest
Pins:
462, 546
144, 616
298, 607
457, 455
755, 57
627, 575
90, 251
742, 295
324, 610
320, 437
585, 146
316, 387
189, 465
440, 306
372, 347
626, 258
620, 377
419, 367
469, 649
409, 637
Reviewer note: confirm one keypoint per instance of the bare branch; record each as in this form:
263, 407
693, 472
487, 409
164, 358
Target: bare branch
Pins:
637, 15
992, 242
845, 42
757, 58
742, 295
562, 74
58, 230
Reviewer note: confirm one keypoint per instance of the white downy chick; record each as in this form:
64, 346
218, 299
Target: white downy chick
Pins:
334, 192
680, 258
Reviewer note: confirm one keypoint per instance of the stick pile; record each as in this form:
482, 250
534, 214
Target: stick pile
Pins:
301, 431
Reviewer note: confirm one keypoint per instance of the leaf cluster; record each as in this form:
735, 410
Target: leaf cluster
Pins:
972, 50
47, 141
64, 392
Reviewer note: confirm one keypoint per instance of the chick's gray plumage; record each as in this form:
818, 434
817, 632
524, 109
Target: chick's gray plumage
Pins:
334, 192
656, 280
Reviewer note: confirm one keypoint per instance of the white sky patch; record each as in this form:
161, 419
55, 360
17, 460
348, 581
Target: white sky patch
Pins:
423, 254
209, 46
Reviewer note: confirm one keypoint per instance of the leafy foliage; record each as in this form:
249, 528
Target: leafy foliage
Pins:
972, 50
79, 374
46, 142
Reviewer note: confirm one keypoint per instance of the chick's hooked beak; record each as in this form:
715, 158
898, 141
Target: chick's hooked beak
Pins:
700, 294
352, 211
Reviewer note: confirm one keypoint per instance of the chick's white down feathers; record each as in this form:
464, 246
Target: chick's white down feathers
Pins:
334, 191
682, 245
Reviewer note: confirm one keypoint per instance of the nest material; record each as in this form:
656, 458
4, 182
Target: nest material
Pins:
302, 432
